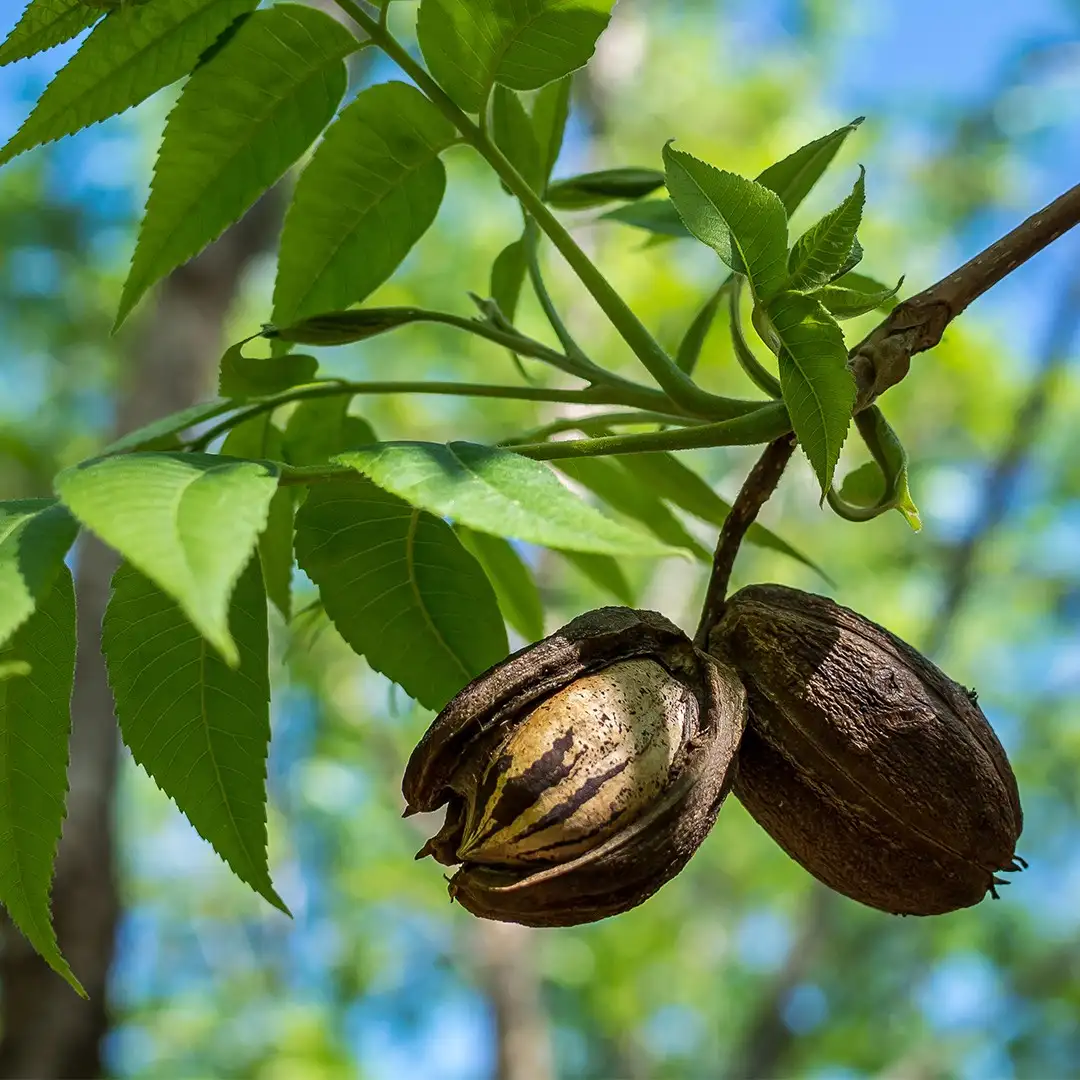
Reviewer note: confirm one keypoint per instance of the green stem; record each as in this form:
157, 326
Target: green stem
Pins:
770, 424
341, 388
761, 377
574, 362
766, 423
347, 327
596, 425
536, 278
676, 383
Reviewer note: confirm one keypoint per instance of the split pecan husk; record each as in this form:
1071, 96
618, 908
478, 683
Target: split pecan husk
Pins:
581, 773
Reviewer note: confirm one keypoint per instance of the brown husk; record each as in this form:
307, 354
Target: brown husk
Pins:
864, 761
630, 866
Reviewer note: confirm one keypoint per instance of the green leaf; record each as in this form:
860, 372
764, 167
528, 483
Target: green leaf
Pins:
857, 294
244, 117
256, 376
512, 129
370, 191
818, 388
508, 277
657, 216
855, 256
689, 351
864, 486
513, 581
550, 111
498, 492
892, 461
470, 45
597, 188
823, 250
35, 723
345, 327
319, 428
742, 221
129, 56
260, 439
44, 24
400, 588
604, 572
669, 478
149, 436
200, 728
794, 177
189, 522
791, 179
615, 485
35, 535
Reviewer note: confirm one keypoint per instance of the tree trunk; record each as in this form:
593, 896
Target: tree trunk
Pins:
507, 967
46, 1031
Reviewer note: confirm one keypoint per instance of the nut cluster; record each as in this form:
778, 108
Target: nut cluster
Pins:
581, 773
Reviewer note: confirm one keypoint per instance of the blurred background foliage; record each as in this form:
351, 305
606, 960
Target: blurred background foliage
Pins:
742, 967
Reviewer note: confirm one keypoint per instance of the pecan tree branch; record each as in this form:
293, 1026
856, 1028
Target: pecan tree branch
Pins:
755, 492
882, 358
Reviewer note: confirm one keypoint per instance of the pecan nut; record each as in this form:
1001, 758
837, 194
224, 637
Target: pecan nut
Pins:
581, 773
865, 762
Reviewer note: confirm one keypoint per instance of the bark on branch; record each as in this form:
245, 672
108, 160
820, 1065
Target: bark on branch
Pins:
883, 357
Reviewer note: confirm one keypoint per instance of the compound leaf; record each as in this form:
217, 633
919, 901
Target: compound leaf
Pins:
822, 251
614, 483
607, 185
550, 111
370, 191
35, 535
243, 376
199, 727
513, 581
44, 24
130, 55
35, 723
856, 294
742, 221
470, 45
244, 117
512, 129
187, 521
818, 388
497, 492
261, 439
669, 478
400, 588
162, 434
319, 428
794, 177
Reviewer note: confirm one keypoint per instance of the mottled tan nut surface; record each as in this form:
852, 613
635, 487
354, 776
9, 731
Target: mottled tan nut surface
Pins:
866, 763
592, 757
581, 773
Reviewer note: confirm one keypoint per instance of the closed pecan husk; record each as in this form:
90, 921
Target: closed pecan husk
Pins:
470, 748
865, 762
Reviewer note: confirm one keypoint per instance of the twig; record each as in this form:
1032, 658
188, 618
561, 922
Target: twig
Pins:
755, 492
598, 424
1001, 480
597, 395
883, 358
